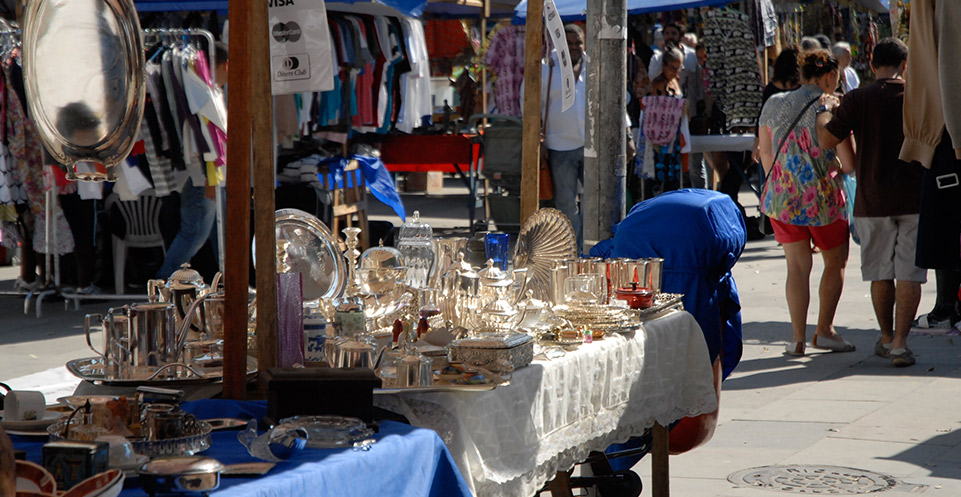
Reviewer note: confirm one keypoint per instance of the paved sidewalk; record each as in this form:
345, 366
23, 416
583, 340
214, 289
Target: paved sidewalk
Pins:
852, 410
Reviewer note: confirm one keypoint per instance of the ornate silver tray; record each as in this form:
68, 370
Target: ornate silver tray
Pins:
83, 63
663, 302
545, 237
91, 369
311, 251
196, 439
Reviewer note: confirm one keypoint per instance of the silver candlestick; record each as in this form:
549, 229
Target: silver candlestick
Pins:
352, 254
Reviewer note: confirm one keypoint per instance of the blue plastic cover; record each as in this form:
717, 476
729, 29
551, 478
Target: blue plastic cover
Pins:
574, 10
700, 234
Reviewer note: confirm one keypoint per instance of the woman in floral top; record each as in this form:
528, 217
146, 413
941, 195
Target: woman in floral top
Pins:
802, 196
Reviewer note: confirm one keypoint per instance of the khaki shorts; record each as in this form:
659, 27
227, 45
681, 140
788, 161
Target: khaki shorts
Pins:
888, 245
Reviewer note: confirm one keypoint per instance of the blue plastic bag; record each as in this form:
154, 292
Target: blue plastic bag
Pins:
850, 187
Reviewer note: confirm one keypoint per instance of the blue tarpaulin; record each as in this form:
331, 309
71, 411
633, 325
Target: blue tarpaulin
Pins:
378, 178
573, 10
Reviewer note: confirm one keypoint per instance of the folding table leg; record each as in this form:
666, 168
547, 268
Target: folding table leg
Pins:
560, 486
660, 481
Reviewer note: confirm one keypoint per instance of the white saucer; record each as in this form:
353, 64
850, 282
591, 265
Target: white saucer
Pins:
132, 467
49, 417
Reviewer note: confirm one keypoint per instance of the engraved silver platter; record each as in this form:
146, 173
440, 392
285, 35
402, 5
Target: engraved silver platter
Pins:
83, 63
545, 237
311, 251
91, 369
196, 439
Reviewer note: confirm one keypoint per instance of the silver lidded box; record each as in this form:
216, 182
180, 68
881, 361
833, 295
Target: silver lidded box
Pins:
495, 352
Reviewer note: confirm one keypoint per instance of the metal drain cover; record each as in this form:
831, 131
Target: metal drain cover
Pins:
813, 479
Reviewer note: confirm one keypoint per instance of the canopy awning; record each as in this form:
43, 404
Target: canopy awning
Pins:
573, 10
410, 8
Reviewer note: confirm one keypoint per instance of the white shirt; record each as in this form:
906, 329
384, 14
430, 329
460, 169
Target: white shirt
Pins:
851, 79
565, 130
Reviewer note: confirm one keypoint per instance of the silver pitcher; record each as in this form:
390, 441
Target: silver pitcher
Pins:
152, 335
446, 252
115, 350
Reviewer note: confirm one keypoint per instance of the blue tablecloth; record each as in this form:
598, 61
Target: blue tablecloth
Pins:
405, 461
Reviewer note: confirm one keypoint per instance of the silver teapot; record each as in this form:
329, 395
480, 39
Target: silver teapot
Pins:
181, 289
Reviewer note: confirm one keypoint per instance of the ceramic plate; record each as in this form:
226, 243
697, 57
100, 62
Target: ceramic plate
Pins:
106, 484
132, 467
49, 417
32, 477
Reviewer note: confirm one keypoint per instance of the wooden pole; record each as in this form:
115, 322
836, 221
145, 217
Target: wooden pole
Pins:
605, 131
660, 474
237, 215
264, 181
533, 47
485, 14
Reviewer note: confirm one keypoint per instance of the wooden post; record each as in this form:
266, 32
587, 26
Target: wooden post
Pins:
660, 481
533, 46
237, 215
264, 181
485, 14
605, 131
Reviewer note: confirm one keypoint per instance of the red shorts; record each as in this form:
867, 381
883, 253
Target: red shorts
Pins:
825, 237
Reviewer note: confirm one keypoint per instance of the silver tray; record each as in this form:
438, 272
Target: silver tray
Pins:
442, 387
91, 369
196, 439
663, 302
313, 252
83, 64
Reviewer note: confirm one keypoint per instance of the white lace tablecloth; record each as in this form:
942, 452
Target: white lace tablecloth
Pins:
511, 440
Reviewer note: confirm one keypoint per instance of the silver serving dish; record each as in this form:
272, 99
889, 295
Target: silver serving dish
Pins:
83, 63
545, 237
312, 251
183, 474
330, 432
196, 439
92, 370
663, 303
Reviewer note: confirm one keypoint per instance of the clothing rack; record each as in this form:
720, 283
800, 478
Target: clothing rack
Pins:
212, 62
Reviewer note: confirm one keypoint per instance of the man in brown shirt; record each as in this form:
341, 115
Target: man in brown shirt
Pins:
888, 195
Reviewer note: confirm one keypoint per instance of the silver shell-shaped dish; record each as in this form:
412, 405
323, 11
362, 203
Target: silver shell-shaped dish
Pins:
312, 251
545, 237
83, 64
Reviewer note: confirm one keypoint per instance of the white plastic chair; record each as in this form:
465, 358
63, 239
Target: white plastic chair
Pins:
142, 220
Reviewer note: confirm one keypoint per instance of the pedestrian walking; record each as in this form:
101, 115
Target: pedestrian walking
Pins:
802, 196
888, 195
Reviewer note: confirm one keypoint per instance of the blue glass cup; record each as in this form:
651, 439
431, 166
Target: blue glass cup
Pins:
495, 247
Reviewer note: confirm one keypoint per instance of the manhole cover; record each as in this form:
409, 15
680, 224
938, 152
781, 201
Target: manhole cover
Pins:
813, 479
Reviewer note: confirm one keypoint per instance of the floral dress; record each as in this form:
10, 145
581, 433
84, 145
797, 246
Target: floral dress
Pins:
803, 187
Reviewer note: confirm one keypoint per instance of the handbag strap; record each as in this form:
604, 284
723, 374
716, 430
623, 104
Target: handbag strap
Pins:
791, 128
